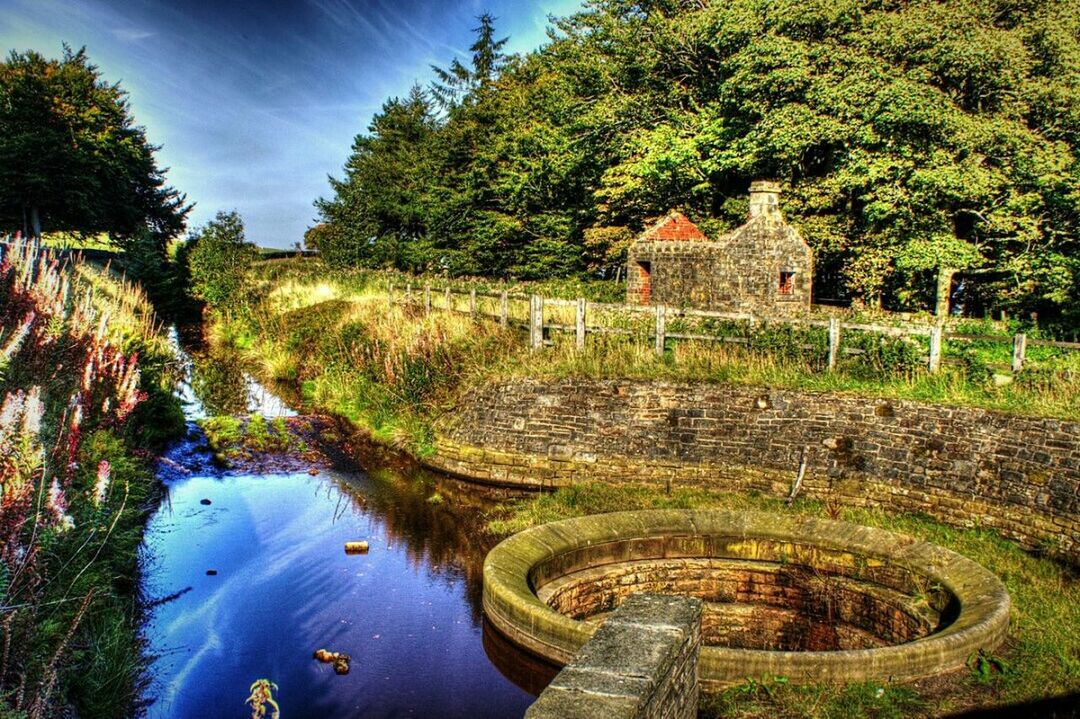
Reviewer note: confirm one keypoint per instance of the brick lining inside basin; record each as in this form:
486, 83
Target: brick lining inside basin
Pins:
810, 599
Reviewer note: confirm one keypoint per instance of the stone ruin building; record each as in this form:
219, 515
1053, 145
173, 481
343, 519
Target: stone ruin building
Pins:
763, 267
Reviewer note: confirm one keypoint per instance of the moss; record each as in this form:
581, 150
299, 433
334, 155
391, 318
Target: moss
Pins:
235, 437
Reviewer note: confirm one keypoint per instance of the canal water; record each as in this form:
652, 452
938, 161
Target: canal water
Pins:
247, 576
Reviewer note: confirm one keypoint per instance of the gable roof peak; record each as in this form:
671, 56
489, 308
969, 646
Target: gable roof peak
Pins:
675, 226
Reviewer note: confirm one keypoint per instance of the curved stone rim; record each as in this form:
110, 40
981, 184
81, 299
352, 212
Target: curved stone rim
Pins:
512, 606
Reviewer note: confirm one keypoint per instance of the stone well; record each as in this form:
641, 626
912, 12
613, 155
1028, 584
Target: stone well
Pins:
809, 599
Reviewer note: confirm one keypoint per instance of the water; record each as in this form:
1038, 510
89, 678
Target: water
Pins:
252, 583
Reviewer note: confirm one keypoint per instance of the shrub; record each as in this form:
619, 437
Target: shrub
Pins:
220, 261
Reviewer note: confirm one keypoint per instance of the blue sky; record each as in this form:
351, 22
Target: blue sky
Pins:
255, 101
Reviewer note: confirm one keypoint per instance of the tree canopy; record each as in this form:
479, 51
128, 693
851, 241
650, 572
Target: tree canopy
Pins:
913, 138
72, 158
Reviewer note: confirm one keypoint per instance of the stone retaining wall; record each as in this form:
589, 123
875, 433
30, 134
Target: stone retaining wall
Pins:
641, 664
966, 467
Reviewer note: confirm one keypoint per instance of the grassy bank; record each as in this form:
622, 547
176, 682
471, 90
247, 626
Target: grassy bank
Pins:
85, 386
1041, 657
392, 367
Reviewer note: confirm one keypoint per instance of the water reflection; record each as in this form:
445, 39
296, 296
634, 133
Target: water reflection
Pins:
216, 383
258, 580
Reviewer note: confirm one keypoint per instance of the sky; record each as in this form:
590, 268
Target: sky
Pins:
255, 102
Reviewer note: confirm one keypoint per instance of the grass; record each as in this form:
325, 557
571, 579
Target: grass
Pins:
1043, 648
311, 272
395, 369
773, 697
79, 241
1038, 394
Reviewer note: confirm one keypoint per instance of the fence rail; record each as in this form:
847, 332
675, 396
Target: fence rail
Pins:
584, 310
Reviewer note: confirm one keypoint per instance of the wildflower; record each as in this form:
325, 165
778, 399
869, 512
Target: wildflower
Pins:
11, 412
33, 411
88, 376
15, 341
101, 486
76, 413
58, 505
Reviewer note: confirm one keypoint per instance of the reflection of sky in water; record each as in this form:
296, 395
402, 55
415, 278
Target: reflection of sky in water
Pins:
249, 396
285, 588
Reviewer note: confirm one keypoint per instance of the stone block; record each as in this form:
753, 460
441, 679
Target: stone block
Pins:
640, 664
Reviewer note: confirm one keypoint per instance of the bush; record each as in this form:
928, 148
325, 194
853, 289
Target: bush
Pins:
220, 260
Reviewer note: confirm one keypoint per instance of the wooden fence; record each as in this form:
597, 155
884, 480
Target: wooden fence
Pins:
661, 315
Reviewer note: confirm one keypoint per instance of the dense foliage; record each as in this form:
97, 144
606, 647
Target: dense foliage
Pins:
72, 158
914, 139
85, 391
219, 260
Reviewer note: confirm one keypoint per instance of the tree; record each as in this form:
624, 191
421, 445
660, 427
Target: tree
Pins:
918, 141
71, 157
383, 207
219, 258
458, 81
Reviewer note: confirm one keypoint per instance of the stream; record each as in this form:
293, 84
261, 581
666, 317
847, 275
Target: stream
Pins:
246, 577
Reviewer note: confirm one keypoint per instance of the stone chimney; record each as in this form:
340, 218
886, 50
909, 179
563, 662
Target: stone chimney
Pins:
764, 199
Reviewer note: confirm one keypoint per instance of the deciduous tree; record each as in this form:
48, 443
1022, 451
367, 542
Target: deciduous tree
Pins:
71, 156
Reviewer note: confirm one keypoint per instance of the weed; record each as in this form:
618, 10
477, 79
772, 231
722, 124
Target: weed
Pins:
262, 698
85, 389
986, 667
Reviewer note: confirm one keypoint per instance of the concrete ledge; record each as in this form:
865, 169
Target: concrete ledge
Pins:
522, 565
642, 663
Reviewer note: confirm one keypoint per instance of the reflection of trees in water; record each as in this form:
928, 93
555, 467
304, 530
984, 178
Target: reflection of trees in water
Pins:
216, 378
440, 522
446, 537
218, 382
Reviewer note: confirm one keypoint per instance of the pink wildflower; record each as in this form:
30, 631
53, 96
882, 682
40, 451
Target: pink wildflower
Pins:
33, 412
58, 505
16, 339
101, 486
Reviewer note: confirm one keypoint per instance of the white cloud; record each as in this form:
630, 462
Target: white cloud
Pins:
128, 34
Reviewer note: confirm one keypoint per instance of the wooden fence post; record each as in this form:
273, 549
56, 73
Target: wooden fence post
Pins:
427, 298
390, 292
661, 329
536, 322
1019, 352
472, 301
834, 342
579, 324
936, 333
408, 293
504, 317
449, 301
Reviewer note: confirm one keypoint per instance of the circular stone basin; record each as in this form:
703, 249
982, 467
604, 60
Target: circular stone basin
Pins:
810, 599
